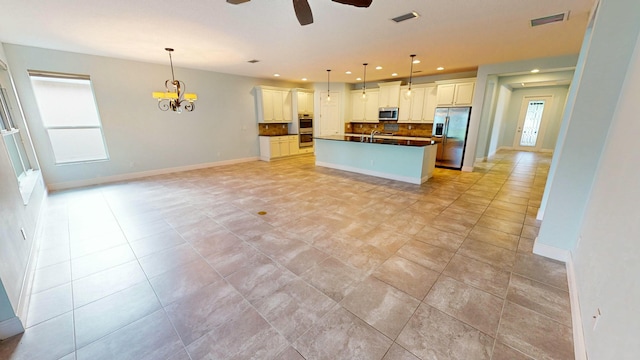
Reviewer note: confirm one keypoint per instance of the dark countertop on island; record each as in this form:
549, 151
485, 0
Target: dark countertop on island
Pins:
366, 140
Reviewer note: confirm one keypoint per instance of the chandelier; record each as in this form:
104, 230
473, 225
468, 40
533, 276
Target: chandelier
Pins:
174, 97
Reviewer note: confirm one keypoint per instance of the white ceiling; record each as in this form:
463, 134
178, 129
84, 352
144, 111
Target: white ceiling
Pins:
213, 35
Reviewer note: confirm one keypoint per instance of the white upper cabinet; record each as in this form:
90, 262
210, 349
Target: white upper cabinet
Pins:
456, 94
364, 110
287, 109
430, 104
410, 107
304, 100
273, 105
420, 106
389, 95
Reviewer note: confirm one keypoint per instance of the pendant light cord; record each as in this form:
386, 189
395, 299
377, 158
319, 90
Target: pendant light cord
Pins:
411, 72
364, 79
328, 81
173, 77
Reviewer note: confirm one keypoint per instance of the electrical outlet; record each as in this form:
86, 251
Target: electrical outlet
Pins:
596, 318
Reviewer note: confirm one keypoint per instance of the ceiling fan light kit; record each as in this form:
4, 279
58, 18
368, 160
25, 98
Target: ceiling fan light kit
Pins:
303, 10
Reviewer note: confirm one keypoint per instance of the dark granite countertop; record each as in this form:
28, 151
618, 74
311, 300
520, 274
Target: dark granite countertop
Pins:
366, 140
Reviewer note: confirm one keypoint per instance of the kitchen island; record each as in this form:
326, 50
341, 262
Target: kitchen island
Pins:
405, 160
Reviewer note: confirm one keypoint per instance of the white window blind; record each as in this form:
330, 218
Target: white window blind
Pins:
70, 115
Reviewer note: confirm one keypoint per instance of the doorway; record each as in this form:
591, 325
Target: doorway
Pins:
330, 121
532, 122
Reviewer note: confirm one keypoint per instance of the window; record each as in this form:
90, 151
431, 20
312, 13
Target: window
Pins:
12, 139
532, 123
15, 147
70, 116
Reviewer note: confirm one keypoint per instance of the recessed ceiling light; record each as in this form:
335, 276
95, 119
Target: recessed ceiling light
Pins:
348, 72
358, 79
416, 61
535, 71
439, 68
304, 79
378, 67
276, 75
394, 74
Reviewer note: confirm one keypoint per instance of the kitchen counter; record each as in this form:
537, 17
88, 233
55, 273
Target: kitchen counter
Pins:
399, 137
380, 139
411, 161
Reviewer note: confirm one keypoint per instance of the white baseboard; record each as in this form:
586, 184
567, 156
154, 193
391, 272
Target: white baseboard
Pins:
467, 168
550, 252
27, 282
579, 346
11, 327
142, 174
540, 214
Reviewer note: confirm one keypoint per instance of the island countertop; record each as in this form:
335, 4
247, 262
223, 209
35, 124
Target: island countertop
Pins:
386, 140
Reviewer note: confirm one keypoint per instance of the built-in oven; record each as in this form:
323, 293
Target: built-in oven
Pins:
305, 122
306, 139
305, 130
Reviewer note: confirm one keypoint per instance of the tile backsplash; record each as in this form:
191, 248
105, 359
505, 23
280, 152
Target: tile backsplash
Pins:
419, 130
273, 129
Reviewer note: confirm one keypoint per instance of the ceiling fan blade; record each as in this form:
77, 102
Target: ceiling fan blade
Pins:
358, 3
236, 2
303, 12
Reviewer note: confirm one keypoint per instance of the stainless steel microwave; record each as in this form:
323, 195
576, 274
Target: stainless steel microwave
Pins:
388, 113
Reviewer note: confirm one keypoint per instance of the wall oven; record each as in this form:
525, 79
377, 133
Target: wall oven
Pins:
306, 140
305, 130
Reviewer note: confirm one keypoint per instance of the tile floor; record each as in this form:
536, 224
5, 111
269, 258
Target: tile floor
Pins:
342, 266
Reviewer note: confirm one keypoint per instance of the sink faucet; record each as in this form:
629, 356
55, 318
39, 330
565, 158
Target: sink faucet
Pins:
373, 133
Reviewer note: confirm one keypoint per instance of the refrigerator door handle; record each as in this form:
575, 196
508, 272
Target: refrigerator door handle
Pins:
446, 129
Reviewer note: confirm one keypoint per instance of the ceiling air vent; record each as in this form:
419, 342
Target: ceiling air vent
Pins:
550, 19
401, 18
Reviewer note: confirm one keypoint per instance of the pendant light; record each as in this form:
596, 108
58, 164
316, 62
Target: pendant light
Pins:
364, 83
408, 93
328, 91
174, 97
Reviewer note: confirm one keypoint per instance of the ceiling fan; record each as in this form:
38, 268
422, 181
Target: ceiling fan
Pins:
303, 10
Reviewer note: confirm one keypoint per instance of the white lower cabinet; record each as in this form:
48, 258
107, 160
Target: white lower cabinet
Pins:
272, 147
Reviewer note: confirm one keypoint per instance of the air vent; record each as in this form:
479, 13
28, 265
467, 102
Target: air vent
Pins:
253, 61
550, 19
401, 18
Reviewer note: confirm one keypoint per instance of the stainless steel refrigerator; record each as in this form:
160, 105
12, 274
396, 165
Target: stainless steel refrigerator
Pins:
450, 127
